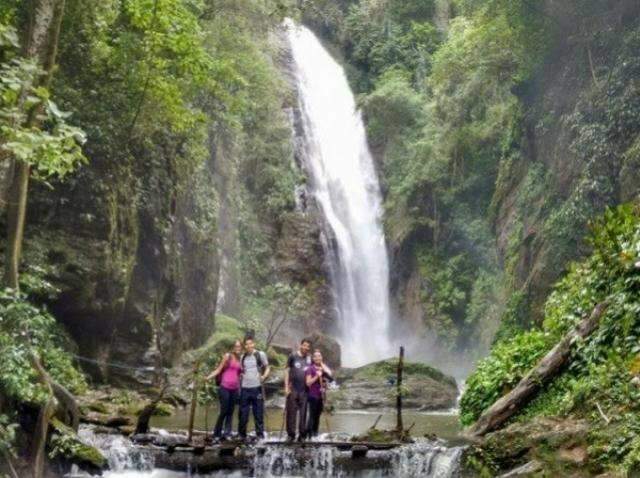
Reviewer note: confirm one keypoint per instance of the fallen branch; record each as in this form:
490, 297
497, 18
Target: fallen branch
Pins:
604, 417
47, 411
550, 365
67, 409
142, 425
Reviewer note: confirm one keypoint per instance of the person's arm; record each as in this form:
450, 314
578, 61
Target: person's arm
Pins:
311, 378
221, 365
267, 369
328, 374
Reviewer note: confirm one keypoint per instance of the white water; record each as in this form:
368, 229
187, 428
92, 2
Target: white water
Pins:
345, 185
428, 459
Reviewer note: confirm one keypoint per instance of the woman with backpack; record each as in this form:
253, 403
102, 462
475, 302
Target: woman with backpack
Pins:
227, 375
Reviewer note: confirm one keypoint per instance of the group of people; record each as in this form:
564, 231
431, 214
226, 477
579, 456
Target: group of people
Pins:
240, 377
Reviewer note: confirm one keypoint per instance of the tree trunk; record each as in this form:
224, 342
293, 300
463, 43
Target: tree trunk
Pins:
550, 365
16, 214
41, 42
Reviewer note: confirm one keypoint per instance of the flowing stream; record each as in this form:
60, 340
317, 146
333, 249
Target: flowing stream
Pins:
344, 183
428, 459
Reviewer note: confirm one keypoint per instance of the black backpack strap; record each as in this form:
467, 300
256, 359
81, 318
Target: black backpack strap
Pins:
261, 365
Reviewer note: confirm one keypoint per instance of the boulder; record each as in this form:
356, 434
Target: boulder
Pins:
556, 445
329, 347
373, 387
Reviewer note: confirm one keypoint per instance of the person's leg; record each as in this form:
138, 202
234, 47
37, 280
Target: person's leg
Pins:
231, 406
315, 409
311, 419
302, 406
244, 413
223, 399
292, 411
258, 413
320, 407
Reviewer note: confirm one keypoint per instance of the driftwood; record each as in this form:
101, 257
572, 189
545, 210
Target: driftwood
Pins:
550, 365
142, 425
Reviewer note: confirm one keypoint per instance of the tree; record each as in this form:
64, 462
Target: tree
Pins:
35, 134
276, 304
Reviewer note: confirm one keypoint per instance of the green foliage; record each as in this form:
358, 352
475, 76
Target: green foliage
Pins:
7, 436
393, 108
26, 329
603, 366
502, 370
390, 35
52, 151
388, 368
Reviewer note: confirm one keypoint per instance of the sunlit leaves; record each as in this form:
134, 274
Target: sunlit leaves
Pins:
26, 330
32, 127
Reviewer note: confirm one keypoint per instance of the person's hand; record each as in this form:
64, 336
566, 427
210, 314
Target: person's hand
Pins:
319, 373
287, 391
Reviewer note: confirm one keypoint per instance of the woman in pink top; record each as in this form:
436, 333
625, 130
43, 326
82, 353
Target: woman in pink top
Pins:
227, 376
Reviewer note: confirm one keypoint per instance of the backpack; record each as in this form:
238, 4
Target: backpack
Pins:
219, 376
260, 364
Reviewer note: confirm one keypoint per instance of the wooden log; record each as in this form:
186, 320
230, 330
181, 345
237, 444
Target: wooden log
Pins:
399, 424
550, 365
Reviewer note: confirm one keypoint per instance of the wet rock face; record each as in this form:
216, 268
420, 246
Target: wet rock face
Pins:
373, 387
137, 280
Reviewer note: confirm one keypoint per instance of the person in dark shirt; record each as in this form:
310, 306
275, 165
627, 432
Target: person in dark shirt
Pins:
316, 377
295, 390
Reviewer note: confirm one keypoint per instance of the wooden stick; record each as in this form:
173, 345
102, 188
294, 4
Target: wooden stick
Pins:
194, 399
604, 417
264, 407
399, 425
375, 424
284, 416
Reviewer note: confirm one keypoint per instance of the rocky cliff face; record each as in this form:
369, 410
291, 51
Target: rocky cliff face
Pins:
508, 232
134, 256
579, 148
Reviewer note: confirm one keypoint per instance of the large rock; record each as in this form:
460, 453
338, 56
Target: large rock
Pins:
373, 387
557, 446
329, 347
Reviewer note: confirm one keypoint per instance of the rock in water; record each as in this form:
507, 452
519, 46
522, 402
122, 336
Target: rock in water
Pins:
373, 386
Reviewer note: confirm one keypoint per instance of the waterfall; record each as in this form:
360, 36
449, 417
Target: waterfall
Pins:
344, 183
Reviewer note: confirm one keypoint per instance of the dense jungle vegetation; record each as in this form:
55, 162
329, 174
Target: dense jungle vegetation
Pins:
489, 184
148, 185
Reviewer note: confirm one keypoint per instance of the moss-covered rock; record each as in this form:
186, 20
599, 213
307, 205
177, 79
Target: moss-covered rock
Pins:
558, 446
66, 446
374, 386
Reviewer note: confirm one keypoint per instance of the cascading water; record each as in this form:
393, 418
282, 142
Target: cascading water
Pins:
425, 458
345, 185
